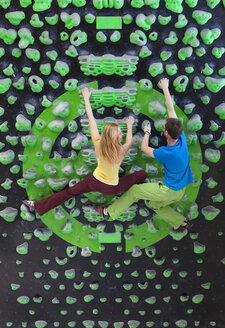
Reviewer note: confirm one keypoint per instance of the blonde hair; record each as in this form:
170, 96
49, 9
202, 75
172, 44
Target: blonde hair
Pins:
109, 143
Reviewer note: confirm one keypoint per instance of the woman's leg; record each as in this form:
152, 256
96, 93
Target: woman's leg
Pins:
46, 204
129, 180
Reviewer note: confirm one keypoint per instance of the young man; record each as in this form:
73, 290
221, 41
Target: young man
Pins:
175, 160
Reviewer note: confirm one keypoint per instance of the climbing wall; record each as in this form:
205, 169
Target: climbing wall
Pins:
70, 268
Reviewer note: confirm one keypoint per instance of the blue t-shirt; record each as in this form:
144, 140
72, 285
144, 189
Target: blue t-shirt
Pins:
175, 160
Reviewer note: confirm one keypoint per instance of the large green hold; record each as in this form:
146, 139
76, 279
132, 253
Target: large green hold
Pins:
9, 214
5, 84
40, 5
15, 17
214, 85
7, 157
175, 6
201, 16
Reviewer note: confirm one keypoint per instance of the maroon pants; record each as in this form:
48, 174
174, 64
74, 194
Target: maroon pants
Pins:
87, 185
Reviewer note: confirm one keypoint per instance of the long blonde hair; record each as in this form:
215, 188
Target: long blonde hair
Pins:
110, 147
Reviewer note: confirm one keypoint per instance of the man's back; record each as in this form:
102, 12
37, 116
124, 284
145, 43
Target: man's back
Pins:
175, 160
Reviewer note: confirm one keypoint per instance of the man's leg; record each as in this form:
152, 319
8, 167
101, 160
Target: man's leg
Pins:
146, 191
159, 197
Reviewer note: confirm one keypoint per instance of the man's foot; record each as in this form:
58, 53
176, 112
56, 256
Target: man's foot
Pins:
30, 205
185, 225
103, 212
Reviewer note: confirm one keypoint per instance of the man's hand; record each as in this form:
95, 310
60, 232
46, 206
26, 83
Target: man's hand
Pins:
164, 84
147, 128
86, 93
130, 120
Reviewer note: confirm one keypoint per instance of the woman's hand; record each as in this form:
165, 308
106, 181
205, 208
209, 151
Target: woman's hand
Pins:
147, 129
86, 93
164, 84
130, 121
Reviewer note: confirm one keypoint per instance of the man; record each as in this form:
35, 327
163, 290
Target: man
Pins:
175, 160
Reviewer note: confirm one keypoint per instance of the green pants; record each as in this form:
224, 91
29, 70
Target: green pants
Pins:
159, 196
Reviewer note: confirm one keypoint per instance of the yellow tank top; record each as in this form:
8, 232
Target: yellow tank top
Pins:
107, 173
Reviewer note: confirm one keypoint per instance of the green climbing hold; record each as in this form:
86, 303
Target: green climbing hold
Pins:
210, 212
214, 85
40, 5
171, 69
212, 155
145, 22
182, 21
22, 249
70, 21
35, 21
155, 69
164, 20
180, 83
185, 53
175, 6
53, 20
5, 84
218, 52
138, 37
190, 37
36, 83
209, 36
201, 17
15, 17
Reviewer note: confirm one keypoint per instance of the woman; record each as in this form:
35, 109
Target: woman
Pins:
105, 178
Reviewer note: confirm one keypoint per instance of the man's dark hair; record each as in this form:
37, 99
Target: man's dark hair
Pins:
174, 127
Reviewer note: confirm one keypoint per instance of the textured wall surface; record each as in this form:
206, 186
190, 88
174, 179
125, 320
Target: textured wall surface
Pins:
70, 268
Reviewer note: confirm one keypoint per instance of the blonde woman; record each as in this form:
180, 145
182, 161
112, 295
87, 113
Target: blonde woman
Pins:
105, 178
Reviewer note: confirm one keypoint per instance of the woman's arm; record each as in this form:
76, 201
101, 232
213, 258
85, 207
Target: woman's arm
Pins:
144, 146
164, 84
128, 144
95, 136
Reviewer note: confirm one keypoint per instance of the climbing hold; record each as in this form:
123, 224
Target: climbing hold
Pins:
214, 85
145, 22
15, 17
180, 83
212, 155
36, 83
210, 212
138, 37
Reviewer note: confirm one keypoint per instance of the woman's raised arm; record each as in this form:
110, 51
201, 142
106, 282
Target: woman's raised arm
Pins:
129, 136
95, 136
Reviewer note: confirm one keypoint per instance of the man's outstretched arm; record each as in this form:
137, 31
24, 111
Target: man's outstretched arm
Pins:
144, 146
164, 84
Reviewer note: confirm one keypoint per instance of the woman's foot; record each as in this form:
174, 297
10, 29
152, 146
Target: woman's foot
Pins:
185, 225
104, 213
30, 205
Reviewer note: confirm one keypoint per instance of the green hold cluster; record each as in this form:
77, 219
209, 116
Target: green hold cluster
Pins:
100, 4
108, 65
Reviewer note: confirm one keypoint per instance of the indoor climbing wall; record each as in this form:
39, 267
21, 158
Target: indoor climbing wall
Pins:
69, 267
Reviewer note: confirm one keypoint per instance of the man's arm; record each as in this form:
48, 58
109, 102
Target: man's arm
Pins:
164, 84
95, 136
144, 146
